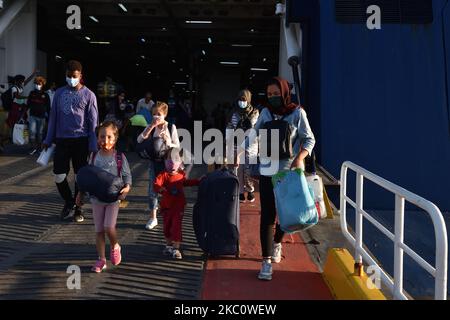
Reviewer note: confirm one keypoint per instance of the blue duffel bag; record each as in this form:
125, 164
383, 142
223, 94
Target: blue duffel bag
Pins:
100, 183
294, 201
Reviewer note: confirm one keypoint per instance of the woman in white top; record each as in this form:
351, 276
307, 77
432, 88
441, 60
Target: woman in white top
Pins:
158, 128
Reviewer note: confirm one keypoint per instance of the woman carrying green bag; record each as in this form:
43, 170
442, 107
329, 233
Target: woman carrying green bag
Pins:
294, 143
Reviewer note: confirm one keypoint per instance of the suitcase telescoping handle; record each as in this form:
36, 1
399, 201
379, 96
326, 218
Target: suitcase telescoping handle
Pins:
226, 169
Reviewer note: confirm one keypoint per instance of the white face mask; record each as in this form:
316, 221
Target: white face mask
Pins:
158, 117
242, 104
38, 87
73, 82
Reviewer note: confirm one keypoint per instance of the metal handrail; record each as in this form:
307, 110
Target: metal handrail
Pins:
395, 285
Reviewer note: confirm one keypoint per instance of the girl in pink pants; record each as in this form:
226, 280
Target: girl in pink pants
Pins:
105, 214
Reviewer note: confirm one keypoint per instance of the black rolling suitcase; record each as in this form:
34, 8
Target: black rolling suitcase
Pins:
216, 214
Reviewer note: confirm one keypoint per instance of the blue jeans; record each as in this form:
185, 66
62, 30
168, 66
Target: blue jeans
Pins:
154, 168
36, 127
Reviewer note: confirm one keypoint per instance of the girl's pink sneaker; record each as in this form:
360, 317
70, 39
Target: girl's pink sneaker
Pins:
116, 256
99, 266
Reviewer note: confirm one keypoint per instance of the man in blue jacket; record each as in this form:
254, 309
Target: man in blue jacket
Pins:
72, 123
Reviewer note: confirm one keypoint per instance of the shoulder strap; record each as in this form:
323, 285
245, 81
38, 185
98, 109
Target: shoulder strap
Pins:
119, 162
94, 154
10, 93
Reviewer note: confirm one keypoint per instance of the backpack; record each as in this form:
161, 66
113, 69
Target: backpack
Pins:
285, 140
153, 148
7, 99
100, 183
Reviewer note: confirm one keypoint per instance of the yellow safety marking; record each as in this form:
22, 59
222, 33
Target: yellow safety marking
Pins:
330, 214
339, 274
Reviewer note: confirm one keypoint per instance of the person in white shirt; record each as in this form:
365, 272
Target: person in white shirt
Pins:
51, 92
145, 102
158, 128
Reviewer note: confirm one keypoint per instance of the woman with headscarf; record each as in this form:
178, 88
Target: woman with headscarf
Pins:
301, 140
244, 117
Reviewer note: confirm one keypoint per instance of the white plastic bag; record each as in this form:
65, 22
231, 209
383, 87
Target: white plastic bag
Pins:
20, 134
45, 156
316, 183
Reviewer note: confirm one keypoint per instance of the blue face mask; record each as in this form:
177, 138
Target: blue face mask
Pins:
73, 82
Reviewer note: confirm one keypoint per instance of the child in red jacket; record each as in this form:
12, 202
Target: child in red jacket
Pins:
170, 184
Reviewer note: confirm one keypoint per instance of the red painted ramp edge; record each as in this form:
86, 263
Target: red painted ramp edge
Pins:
295, 278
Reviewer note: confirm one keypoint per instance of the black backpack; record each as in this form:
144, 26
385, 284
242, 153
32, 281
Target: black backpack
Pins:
7, 99
153, 148
285, 141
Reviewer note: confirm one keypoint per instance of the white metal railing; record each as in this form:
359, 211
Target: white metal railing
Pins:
395, 285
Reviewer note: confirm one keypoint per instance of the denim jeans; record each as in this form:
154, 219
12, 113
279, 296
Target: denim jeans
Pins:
36, 127
154, 168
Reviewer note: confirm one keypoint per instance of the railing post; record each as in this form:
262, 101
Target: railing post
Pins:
398, 251
440, 291
359, 223
343, 201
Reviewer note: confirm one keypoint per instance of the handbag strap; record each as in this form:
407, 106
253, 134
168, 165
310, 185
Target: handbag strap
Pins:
119, 157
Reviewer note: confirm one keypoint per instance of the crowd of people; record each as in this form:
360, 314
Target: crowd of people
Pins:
69, 118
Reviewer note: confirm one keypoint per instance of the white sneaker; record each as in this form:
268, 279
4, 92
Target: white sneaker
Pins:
266, 271
151, 224
276, 256
176, 254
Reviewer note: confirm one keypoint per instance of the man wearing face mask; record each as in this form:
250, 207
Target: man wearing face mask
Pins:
244, 117
72, 123
301, 141
39, 108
